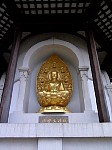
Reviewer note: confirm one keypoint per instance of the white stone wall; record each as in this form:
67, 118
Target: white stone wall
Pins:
56, 144
87, 143
56, 136
18, 144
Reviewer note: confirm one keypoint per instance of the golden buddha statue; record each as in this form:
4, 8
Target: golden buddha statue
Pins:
54, 86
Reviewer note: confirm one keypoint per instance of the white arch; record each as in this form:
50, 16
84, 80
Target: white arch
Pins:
34, 49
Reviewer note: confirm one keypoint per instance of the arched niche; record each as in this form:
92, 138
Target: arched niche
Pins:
39, 51
33, 59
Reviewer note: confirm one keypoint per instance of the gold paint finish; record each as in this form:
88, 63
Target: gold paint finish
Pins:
54, 86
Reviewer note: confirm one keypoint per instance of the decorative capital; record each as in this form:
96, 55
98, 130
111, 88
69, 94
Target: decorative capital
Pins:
24, 69
24, 72
84, 68
109, 87
84, 72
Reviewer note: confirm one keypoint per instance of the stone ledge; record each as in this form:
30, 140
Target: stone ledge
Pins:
33, 118
55, 130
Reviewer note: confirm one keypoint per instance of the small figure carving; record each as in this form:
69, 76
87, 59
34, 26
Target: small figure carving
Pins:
54, 86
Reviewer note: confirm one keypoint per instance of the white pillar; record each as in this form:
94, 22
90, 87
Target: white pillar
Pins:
2, 81
50, 144
1, 90
24, 72
109, 92
85, 90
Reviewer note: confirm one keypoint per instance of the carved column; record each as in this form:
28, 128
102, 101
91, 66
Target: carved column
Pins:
85, 89
24, 73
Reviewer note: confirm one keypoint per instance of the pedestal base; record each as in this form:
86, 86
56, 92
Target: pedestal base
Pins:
54, 109
19, 117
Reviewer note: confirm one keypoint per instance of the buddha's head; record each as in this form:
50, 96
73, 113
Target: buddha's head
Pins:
54, 75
